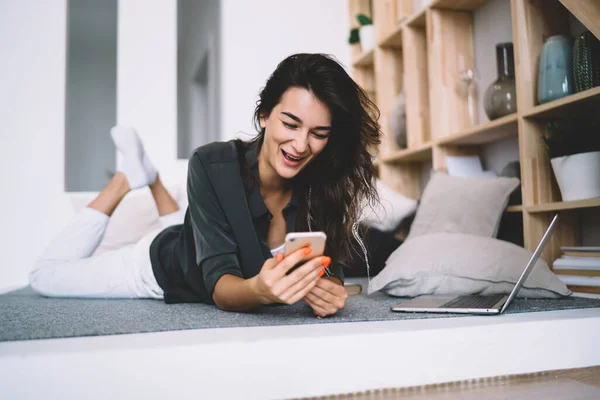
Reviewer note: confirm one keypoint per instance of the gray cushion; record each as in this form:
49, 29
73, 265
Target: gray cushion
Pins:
462, 205
458, 264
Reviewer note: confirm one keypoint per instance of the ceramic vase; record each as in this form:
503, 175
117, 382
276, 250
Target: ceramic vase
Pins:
367, 37
578, 175
555, 77
586, 62
501, 96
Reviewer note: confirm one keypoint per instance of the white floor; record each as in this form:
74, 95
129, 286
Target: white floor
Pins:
297, 361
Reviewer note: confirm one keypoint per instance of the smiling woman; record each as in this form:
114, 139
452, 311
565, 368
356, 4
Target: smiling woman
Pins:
307, 169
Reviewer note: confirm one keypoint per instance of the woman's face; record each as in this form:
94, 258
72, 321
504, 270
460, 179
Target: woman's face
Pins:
296, 132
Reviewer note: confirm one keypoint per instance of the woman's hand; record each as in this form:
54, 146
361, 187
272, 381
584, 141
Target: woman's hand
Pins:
274, 286
327, 297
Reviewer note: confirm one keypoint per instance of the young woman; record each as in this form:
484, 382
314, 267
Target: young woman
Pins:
308, 168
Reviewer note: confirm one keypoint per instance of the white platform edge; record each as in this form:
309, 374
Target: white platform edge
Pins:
298, 361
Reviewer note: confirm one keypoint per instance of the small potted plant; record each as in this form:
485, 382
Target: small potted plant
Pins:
573, 145
367, 32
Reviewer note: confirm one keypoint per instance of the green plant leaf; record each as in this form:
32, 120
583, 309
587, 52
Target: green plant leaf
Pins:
364, 20
354, 38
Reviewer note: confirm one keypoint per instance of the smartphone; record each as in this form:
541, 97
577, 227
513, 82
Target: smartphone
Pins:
298, 240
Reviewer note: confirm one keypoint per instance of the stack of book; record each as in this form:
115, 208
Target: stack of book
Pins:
579, 268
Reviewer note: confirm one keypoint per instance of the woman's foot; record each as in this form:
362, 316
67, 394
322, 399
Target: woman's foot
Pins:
135, 164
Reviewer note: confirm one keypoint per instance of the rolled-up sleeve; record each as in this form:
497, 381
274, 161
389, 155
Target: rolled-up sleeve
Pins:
216, 247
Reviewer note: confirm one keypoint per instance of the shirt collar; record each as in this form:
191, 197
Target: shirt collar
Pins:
255, 201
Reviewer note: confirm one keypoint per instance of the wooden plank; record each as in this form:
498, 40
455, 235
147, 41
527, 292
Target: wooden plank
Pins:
485, 133
409, 155
588, 99
539, 185
393, 39
564, 205
388, 84
384, 16
405, 178
365, 60
457, 5
514, 209
403, 10
416, 86
587, 12
417, 19
450, 47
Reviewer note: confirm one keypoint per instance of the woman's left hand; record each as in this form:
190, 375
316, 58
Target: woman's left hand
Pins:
327, 297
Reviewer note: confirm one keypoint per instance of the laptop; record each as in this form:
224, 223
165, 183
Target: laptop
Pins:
474, 304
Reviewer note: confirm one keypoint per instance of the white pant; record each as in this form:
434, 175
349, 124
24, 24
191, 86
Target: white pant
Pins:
68, 269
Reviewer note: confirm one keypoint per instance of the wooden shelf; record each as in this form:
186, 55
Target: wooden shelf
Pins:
422, 153
564, 205
393, 40
588, 99
421, 54
417, 19
365, 60
488, 132
457, 5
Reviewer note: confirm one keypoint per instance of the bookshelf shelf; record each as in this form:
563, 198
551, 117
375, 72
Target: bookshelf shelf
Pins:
514, 209
417, 19
564, 205
458, 5
485, 133
393, 40
365, 60
422, 153
588, 99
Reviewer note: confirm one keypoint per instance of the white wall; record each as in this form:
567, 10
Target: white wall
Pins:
147, 79
256, 35
32, 110
199, 31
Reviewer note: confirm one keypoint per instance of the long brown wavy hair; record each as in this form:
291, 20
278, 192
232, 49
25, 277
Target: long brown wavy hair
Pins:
341, 179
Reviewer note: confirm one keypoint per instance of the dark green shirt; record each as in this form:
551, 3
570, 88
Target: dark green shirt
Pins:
189, 259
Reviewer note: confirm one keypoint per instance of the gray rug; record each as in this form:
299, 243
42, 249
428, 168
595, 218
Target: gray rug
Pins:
25, 315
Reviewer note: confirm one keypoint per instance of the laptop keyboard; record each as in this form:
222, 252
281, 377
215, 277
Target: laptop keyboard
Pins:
473, 301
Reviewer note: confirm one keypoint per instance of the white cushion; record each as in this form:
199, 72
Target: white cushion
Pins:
462, 205
133, 218
392, 209
460, 264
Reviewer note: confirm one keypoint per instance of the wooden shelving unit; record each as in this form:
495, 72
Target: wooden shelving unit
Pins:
365, 60
422, 153
485, 133
418, 51
564, 205
514, 208
587, 100
393, 39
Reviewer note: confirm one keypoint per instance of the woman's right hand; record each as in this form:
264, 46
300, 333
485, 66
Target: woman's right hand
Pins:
274, 285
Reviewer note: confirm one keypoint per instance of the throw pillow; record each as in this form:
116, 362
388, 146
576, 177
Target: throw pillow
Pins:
462, 205
460, 264
392, 208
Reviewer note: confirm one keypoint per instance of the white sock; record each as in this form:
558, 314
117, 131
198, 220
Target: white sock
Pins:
136, 164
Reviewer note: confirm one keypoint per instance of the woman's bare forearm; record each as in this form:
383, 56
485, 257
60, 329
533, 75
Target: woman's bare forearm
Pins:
233, 293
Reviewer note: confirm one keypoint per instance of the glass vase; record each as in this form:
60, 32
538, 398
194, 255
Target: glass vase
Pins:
501, 96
